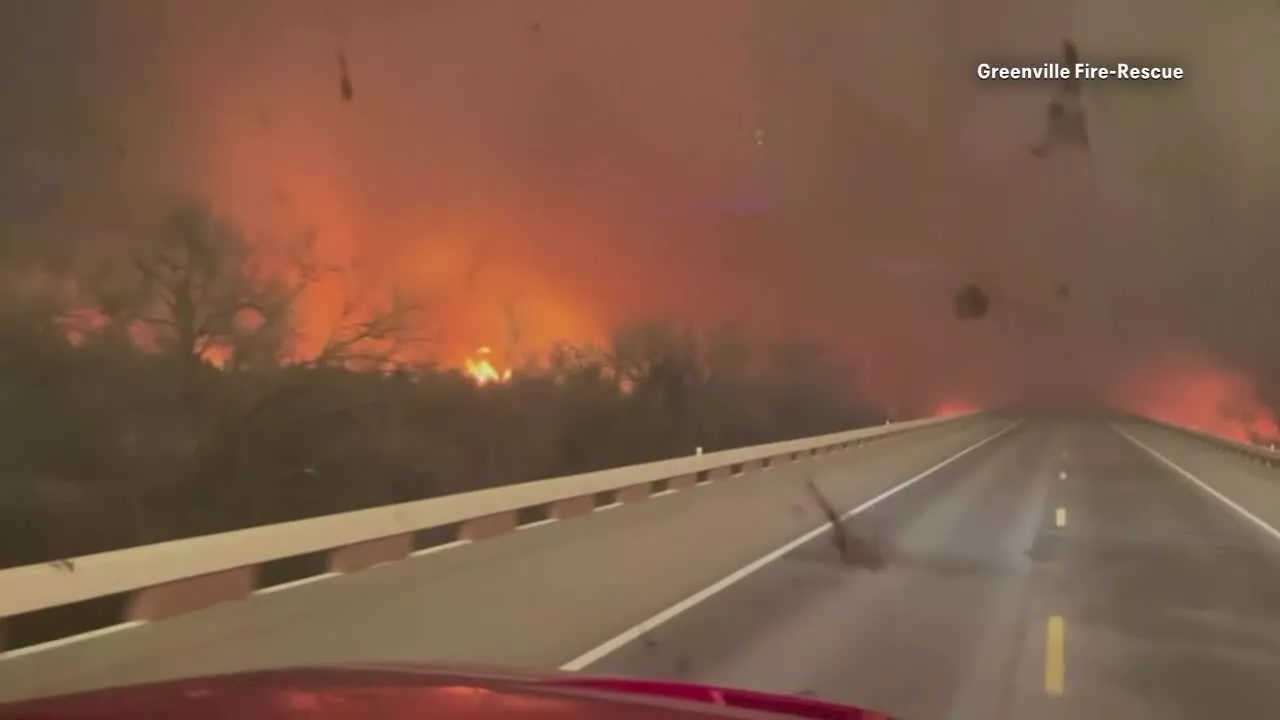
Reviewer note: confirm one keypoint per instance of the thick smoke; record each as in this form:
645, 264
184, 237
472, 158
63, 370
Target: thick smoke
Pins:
824, 168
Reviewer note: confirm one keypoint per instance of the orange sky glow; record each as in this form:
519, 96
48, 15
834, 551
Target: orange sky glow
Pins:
535, 172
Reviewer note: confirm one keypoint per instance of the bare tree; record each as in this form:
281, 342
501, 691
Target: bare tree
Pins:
515, 353
658, 362
653, 352
376, 334
567, 362
198, 293
193, 292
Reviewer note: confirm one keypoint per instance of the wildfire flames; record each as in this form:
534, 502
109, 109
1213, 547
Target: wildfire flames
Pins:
482, 371
953, 407
1205, 398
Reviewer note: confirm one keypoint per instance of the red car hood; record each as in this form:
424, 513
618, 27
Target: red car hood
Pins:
401, 692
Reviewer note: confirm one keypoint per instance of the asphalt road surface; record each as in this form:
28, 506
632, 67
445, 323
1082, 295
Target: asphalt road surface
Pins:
1059, 571
530, 598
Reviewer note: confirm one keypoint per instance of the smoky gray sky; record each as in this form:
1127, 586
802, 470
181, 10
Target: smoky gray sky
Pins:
826, 167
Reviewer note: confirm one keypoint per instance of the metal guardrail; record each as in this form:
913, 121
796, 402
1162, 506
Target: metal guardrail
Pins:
178, 576
1258, 453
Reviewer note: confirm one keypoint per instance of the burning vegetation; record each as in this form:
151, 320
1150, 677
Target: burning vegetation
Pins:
481, 369
163, 393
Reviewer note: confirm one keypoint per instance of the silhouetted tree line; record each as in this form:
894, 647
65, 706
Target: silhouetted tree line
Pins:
154, 401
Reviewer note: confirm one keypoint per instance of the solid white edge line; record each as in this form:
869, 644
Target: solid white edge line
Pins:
537, 524
70, 639
1202, 484
294, 583
438, 548
634, 632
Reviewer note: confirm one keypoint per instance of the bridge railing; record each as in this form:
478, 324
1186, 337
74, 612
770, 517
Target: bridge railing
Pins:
1264, 454
169, 578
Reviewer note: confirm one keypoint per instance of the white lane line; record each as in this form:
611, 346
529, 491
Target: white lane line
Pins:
651, 623
100, 632
1203, 485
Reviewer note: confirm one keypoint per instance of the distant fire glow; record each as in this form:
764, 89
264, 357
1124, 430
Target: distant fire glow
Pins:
953, 407
1212, 400
481, 369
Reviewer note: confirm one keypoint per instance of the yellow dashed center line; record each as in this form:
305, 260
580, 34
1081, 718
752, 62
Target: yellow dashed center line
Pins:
1054, 656
1060, 517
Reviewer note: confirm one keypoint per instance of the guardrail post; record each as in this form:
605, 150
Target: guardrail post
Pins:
683, 482
182, 596
488, 526
359, 556
717, 474
571, 507
635, 493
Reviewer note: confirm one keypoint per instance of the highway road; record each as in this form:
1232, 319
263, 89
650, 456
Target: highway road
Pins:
1040, 569
1060, 571
534, 597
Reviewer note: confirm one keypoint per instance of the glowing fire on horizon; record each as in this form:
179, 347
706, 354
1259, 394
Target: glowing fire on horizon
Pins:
1205, 398
481, 369
953, 407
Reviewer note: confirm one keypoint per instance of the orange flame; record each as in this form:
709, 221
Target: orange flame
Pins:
953, 406
482, 371
1204, 398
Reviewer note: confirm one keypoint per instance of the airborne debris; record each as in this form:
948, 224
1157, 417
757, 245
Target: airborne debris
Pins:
1064, 290
1065, 122
344, 77
971, 302
854, 551
1070, 54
